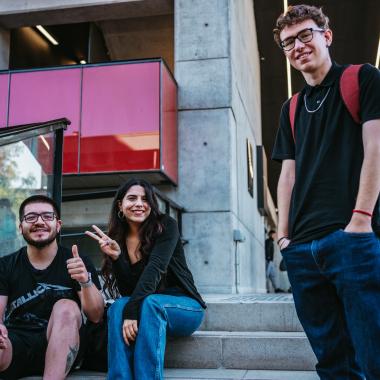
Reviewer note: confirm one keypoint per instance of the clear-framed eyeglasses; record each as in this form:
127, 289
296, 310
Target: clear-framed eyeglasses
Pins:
305, 35
32, 217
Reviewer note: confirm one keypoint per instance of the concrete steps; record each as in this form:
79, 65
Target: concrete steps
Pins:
259, 312
252, 332
241, 350
255, 337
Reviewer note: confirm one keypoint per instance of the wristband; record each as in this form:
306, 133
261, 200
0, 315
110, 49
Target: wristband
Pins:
280, 239
87, 283
363, 212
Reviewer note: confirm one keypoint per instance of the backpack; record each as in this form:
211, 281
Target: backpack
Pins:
349, 90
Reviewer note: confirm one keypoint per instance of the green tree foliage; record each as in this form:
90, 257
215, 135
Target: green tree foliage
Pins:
9, 166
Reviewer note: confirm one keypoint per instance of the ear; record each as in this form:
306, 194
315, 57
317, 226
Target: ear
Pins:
119, 205
328, 37
59, 225
20, 228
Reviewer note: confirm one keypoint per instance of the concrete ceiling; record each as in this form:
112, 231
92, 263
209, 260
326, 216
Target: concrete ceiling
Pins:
356, 28
17, 13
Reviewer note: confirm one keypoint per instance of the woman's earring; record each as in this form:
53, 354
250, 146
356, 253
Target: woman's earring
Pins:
120, 215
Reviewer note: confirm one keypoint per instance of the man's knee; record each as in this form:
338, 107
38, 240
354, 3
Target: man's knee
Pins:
66, 312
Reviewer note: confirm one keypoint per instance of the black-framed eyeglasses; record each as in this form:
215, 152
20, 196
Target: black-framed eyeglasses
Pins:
305, 35
32, 217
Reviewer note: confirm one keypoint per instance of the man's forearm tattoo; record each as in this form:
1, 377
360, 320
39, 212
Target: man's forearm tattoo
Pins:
73, 351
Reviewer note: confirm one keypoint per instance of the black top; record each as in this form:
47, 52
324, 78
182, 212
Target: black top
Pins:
166, 261
328, 154
269, 249
32, 292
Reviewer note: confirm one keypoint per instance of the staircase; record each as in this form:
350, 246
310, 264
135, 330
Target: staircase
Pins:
258, 333
256, 337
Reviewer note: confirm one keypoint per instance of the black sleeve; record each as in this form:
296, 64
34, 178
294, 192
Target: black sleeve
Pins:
284, 144
158, 262
125, 278
369, 78
4, 283
90, 268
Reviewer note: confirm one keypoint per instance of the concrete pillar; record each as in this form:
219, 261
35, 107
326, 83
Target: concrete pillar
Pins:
213, 128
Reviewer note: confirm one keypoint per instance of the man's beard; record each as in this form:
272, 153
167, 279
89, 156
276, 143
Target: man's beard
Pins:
40, 244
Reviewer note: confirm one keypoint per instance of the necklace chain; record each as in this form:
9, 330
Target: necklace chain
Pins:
320, 104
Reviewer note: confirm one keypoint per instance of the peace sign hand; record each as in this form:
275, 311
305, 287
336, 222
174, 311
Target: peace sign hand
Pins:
106, 244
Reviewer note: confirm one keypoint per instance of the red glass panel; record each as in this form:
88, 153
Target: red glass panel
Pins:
120, 118
4, 84
169, 148
39, 96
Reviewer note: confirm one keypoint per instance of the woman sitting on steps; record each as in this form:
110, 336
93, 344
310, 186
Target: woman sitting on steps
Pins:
145, 263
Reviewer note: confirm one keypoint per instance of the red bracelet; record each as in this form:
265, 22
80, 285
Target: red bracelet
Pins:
363, 212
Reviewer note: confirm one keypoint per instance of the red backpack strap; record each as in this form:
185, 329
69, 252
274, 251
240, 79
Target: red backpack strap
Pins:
292, 112
350, 90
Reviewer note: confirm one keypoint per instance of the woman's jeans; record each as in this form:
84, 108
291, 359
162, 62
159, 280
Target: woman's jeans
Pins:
160, 314
336, 287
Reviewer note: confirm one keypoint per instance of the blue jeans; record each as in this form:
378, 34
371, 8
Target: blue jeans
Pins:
160, 314
336, 288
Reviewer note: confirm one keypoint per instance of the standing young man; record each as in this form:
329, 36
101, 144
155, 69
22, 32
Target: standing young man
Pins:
328, 202
43, 287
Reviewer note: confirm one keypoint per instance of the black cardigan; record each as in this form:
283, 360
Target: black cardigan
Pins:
167, 255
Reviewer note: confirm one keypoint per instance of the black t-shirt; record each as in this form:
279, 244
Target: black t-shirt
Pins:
32, 293
328, 154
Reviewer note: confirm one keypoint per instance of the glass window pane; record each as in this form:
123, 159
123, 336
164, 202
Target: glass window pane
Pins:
26, 168
56, 94
127, 138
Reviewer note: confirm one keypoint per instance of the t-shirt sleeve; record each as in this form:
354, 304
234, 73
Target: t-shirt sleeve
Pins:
4, 283
91, 268
159, 259
284, 144
369, 79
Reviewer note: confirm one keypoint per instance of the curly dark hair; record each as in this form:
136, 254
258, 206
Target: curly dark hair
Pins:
118, 229
298, 13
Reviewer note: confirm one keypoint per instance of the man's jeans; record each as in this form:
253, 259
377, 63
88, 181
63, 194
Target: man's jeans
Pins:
336, 288
160, 314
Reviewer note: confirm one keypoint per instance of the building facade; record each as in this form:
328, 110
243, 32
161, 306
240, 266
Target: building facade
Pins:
211, 49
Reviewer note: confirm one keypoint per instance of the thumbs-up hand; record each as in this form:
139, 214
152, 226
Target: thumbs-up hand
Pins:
75, 266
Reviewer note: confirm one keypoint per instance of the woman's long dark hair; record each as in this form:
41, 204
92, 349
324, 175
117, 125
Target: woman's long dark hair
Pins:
118, 229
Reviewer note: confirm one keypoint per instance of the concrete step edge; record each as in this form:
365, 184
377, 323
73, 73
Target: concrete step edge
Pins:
248, 334
208, 374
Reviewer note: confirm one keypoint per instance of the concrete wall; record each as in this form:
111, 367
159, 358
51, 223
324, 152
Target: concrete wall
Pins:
138, 38
246, 108
217, 70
